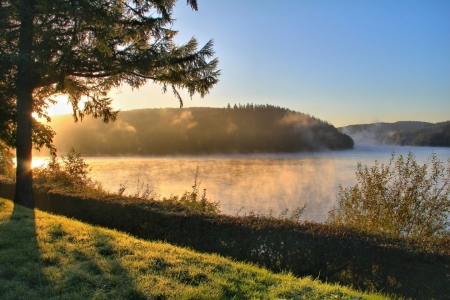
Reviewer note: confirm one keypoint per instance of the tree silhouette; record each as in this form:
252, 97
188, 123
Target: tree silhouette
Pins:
83, 48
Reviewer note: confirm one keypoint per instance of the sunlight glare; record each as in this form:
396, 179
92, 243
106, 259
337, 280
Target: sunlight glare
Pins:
39, 161
62, 107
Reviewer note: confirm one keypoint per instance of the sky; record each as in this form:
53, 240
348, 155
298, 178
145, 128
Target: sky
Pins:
345, 62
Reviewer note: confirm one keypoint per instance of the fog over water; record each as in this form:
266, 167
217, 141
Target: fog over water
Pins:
255, 182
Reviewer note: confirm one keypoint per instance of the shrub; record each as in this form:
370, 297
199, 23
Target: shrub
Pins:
192, 200
7, 168
70, 172
400, 198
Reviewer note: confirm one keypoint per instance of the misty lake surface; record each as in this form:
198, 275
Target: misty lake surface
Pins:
253, 182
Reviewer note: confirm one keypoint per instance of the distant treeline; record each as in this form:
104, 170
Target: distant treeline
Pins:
437, 135
236, 129
406, 133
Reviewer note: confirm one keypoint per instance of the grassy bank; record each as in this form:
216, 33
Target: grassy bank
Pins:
43, 256
408, 268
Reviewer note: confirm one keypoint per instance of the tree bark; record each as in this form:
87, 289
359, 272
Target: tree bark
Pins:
24, 85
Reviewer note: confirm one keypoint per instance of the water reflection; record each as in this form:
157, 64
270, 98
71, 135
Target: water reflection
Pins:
259, 183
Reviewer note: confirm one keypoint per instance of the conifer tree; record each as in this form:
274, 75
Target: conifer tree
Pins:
83, 48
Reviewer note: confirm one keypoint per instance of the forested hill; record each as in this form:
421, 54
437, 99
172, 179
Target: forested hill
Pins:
238, 129
407, 133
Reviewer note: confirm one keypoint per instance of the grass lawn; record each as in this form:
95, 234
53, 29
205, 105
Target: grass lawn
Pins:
43, 256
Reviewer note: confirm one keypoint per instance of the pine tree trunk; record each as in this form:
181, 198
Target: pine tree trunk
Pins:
24, 85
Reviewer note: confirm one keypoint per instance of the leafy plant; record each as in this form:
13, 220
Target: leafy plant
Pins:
7, 168
143, 191
295, 217
401, 198
193, 200
70, 171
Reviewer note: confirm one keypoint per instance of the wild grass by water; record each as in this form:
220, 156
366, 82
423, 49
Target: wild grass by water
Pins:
43, 256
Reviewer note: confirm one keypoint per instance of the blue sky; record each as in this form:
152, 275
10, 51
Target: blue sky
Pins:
345, 62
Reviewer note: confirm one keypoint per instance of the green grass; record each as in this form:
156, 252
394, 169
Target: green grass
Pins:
43, 256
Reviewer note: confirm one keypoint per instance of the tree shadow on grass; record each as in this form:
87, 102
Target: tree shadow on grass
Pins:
21, 274
52, 265
112, 279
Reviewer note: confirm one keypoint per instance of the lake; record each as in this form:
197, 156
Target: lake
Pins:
253, 182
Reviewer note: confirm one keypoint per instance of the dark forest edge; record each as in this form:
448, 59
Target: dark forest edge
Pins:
236, 129
403, 133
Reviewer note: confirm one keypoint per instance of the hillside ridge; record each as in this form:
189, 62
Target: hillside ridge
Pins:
403, 133
239, 129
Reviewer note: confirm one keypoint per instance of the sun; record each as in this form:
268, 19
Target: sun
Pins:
61, 107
